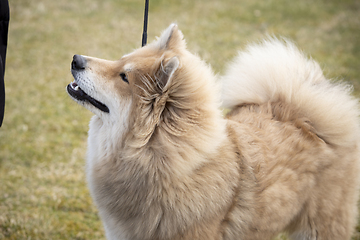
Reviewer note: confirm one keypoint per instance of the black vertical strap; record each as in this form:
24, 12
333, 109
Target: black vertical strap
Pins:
144, 36
4, 26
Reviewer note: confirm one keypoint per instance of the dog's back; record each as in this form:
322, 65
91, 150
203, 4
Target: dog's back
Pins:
299, 132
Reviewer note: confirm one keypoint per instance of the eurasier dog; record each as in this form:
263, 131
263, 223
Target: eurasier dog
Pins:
163, 162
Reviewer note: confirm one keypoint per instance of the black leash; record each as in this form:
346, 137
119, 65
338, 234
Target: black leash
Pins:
144, 35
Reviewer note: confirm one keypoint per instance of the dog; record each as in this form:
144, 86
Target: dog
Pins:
163, 162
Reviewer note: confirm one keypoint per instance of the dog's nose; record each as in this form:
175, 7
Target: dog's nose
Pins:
78, 63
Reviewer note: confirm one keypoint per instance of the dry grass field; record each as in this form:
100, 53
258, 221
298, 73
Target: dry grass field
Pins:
43, 193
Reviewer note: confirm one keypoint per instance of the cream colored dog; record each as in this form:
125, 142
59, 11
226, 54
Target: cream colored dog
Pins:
163, 163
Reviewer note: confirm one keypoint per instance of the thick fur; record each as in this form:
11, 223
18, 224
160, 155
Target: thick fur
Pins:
165, 164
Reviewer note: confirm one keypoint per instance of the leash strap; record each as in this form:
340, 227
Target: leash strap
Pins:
144, 35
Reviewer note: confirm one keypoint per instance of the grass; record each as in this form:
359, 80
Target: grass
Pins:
43, 194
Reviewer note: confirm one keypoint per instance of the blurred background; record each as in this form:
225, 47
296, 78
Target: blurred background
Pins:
43, 193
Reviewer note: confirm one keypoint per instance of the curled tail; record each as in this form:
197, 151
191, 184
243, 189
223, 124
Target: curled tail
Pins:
276, 70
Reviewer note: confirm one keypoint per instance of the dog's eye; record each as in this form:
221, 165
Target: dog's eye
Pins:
124, 77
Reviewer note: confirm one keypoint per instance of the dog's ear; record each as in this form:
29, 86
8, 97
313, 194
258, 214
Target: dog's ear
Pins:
166, 72
171, 38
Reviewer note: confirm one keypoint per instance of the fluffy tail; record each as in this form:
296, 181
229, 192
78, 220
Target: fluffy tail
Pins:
276, 70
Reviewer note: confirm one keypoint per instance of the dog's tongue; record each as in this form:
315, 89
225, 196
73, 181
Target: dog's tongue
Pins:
76, 91
74, 86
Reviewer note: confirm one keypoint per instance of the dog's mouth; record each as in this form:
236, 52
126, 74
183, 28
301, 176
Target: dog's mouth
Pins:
77, 93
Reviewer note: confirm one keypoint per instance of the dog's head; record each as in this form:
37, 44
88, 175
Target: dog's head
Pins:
161, 84
104, 86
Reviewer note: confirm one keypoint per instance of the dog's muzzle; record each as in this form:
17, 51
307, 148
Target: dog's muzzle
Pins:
79, 64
